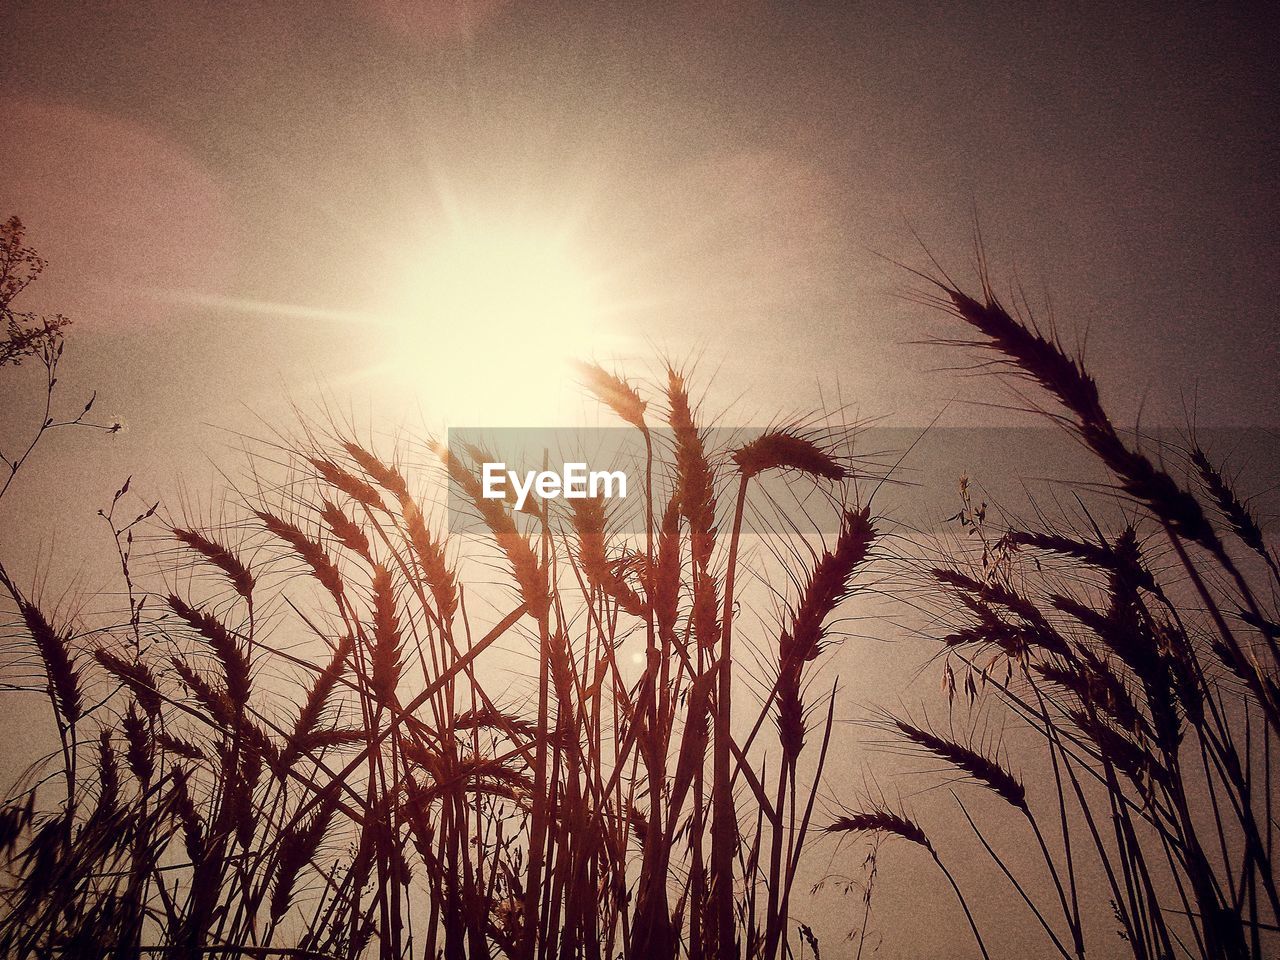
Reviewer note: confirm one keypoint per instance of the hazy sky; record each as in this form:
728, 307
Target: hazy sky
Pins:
730, 170
235, 198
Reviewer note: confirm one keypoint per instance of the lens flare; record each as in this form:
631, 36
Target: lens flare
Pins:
488, 321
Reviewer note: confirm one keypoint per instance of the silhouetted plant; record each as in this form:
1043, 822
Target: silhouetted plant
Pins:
1153, 685
321, 754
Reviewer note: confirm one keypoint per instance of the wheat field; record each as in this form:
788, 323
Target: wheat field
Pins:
329, 725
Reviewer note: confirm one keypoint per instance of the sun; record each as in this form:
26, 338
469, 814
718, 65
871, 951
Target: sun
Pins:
488, 320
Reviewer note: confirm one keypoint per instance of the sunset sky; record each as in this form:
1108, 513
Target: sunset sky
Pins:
235, 198
416, 214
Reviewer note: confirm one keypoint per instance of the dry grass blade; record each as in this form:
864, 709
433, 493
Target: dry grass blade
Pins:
616, 393
313, 705
981, 768
528, 573
345, 529
235, 665
1043, 360
138, 752
221, 557
980, 595
387, 639
14, 819
1236, 512
786, 449
177, 745
695, 480
429, 552
59, 667
588, 519
830, 583
136, 675
881, 820
215, 702
351, 485
322, 567
297, 847
385, 475
108, 777
188, 818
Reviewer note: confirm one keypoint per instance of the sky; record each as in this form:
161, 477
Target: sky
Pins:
247, 207
250, 206
732, 174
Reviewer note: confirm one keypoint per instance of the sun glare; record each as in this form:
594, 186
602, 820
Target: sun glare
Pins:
488, 322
